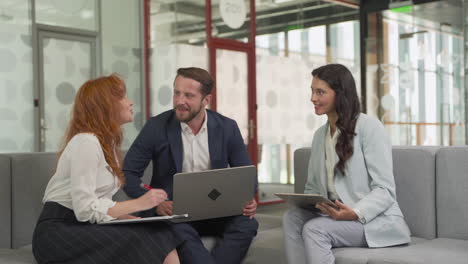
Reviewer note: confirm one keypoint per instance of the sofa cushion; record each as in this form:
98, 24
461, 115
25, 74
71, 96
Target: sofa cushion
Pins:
301, 165
30, 174
452, 198
266, 248
436, 251
146, 179
267, 222
414, 172
5, 202
16, 256
368, 255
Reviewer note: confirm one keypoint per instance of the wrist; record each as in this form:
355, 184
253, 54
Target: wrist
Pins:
359, 216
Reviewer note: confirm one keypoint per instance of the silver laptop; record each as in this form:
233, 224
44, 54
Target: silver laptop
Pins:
213, 193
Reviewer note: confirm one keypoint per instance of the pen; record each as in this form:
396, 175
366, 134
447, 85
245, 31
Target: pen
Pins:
147, 187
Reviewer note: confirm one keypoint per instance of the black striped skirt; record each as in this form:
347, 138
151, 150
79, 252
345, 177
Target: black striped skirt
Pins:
60, 238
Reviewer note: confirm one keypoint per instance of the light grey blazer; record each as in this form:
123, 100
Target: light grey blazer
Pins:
368, 184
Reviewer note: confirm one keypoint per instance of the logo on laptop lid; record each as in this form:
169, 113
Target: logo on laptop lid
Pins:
214, 194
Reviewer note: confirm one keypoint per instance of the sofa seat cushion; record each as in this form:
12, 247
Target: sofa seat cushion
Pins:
267, 222
436, 251
17, 256
368, 255
267, 248
420, 251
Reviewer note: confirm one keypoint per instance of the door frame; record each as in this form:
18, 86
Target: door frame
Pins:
215, 43
249, 48
47, 31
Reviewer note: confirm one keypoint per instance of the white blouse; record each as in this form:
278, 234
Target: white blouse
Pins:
83, 181
330, 162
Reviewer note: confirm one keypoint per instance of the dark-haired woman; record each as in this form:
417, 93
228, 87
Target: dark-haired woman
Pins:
351, 164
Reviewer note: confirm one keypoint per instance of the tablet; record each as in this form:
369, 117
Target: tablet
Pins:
144, 219
304, 200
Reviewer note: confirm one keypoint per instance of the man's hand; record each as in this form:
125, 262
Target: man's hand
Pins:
250, 208
341, 212
164, 208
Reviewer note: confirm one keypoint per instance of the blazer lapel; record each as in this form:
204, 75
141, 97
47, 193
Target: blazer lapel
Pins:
215, 139
175, 141
323, 168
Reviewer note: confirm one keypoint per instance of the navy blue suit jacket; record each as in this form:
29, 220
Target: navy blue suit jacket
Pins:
160, 141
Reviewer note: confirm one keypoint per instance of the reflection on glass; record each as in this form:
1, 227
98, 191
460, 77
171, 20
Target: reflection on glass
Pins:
420, 80
16, 74
231, 19
67, 65
231, 88
177, 40
286, 120
80, 14
122, 55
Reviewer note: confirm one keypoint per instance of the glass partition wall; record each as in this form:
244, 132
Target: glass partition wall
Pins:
415, 73
292, 38
48, 48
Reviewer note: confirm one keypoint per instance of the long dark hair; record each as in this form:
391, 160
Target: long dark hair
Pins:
347, 106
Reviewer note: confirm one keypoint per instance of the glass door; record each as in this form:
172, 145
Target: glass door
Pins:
231, 49
66, 61
232, 88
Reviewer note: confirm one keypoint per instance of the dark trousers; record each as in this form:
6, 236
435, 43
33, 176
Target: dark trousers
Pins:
235, 234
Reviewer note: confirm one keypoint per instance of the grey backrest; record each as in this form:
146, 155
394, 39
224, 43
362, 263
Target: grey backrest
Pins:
5, 202
414, 171
30, 174
301, 165
146, 179
452, 192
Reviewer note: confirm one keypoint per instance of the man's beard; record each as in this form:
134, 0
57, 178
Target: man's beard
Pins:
190, 117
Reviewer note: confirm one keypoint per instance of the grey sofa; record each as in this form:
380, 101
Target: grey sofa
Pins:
431, 185
23, 179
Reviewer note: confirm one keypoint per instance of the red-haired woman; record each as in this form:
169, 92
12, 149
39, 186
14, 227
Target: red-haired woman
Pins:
88, 174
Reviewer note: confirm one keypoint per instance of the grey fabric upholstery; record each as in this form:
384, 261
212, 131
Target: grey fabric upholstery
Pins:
374, 255
16, 256
414, 171
30, 174
301, 165
120, 194
435, 251
452, 190
267, 247
426, 178
5, 202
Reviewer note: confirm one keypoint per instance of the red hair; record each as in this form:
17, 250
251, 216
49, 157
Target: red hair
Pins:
97, 110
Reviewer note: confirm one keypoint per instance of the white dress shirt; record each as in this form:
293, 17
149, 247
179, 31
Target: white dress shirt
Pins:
83, 181
195, 148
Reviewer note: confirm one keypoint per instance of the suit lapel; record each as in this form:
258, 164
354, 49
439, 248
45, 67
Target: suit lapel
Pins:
215, 138
175, 141
323, 170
